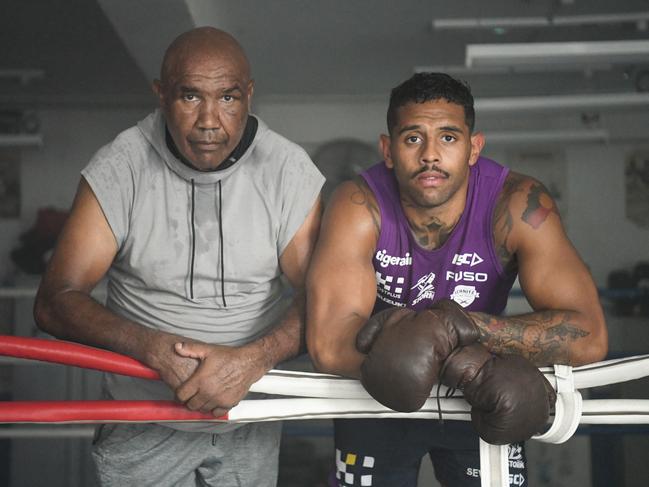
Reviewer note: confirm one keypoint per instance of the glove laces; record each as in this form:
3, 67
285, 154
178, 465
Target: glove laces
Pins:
449, 392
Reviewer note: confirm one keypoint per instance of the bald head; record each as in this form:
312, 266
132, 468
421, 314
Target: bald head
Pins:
200, 45
205, 93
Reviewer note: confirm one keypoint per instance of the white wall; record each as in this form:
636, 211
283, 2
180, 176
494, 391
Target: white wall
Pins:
597, 223
50, 173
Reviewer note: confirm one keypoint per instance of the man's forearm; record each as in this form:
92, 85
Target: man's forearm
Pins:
74, 315
284, 341
543, 337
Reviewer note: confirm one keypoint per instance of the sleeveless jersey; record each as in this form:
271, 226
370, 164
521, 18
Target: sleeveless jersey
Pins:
466, 268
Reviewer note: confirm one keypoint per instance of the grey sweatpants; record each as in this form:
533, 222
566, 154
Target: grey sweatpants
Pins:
149, 454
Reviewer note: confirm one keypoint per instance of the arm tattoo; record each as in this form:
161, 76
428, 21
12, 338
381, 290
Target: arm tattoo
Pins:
544, 337
362, 197
503, 221
539, 206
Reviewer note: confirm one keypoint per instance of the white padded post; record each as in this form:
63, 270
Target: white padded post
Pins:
494, 465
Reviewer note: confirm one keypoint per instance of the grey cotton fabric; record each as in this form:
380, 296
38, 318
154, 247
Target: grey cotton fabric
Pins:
164, 215
144, 454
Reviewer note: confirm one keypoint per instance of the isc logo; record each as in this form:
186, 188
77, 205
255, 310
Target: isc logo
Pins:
469, 259
466, 276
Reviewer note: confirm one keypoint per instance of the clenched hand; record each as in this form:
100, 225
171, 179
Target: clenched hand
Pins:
173, 369
223, 377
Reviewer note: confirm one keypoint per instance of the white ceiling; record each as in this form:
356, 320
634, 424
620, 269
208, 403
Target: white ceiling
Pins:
108, 51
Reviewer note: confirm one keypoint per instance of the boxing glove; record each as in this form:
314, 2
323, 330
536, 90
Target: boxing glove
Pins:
405, 351
510, 398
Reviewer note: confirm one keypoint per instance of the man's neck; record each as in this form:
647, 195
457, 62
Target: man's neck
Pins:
432, 227
246, 140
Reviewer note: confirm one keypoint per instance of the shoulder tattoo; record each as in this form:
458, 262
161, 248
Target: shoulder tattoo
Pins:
503, 221
539, 206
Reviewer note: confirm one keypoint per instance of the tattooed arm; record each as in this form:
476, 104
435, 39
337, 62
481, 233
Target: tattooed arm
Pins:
567, 325
341, 285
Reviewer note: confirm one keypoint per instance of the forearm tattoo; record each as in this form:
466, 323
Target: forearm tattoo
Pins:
361, 197
544, 337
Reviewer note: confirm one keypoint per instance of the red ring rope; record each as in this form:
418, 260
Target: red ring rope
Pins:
98, 412
69, 353
75, 354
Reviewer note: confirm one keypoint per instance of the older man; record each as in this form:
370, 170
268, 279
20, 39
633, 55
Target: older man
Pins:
199, 216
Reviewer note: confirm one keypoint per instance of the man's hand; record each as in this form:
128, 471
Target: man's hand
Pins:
174, 369
222, 379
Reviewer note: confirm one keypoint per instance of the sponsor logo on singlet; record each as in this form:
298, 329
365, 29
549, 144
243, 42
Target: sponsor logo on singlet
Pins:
468, 276
469, 259
390, 289
386, 259
425, 288
464, 295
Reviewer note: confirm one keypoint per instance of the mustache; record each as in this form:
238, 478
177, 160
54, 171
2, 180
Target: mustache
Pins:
430, 169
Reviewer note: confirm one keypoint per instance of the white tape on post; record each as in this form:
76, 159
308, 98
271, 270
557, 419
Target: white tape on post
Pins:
494, 465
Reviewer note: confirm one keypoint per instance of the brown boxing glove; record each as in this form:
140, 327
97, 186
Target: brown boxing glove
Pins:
510, 398
406, 349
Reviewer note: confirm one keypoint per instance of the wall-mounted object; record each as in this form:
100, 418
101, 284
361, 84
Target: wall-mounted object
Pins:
637, 188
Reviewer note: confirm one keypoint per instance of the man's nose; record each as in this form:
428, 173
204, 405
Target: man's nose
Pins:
208, 116
429, 152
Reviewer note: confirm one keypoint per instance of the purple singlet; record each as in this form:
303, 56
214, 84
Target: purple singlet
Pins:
466, 268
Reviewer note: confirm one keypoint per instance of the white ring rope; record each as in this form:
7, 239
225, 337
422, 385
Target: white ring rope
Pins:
321, 396
335, 396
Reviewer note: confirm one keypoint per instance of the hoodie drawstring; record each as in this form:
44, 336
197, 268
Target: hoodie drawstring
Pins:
191, 270
222, 260
222, 263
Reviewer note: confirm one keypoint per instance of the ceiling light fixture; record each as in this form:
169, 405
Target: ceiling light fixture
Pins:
639, 18
22, 75
563, 102
557, 53
495, 70
546, 136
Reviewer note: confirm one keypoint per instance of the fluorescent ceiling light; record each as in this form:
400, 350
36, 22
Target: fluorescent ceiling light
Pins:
562, 102
546, 136
640, 18
20, 140
557, 53
495, 70
23, 75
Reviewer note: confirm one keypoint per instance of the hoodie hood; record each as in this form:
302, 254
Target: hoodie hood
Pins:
154, 131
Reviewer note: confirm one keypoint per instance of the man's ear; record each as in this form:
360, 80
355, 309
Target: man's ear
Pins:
156, 86
384, 148
477, 143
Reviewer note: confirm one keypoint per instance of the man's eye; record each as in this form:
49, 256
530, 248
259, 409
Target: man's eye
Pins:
189, 97
228, 98
413, 139
448, 138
